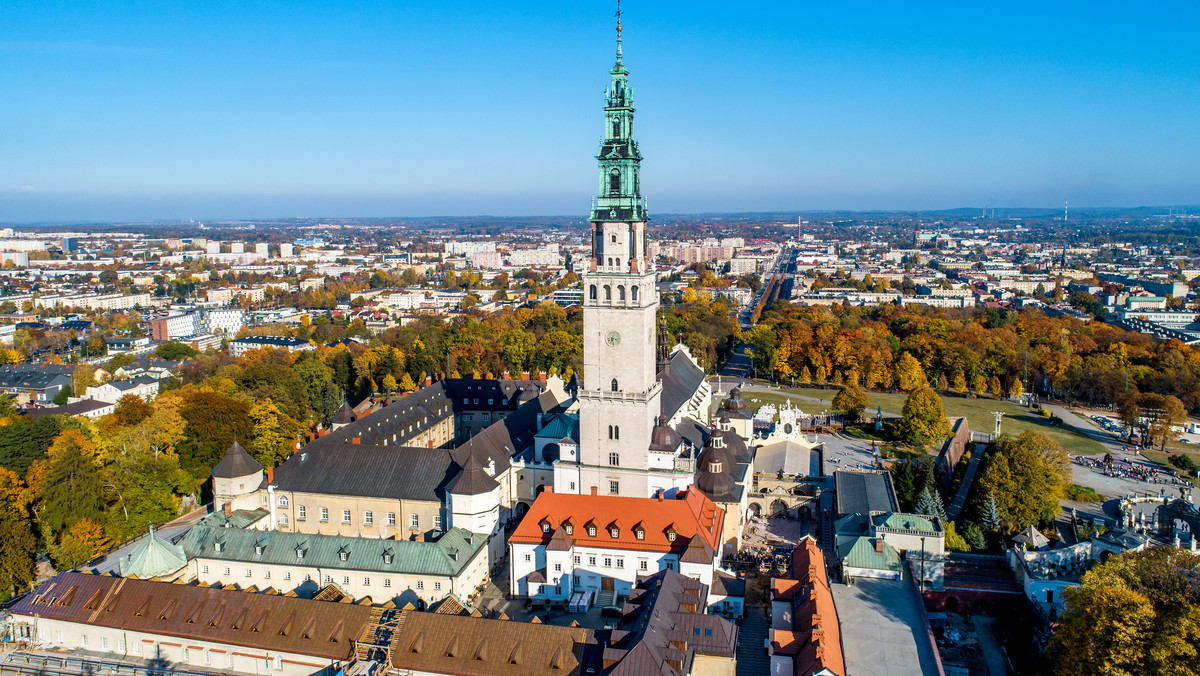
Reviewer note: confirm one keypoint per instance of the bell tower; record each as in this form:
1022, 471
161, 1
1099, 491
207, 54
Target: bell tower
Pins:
620, 395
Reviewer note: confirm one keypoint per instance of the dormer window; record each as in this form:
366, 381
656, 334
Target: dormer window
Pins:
344, 554
641, 534
258, 549
218, 546
545, 526
671, 536
299, 553
592, 531
615, 532
569, 528
387, 558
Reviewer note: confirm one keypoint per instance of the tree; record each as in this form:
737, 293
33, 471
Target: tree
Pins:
389, 383
174, 351
23, 441
213, 422
930, 504
1026, 476
923, 418
407, 384
17, 548
851, 401
909, 374
273, 436
990, 518
1136, 613
71, 488
904, 481
63, 395
79, 544
975, 537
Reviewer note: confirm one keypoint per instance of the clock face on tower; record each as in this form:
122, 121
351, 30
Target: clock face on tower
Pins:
613, 338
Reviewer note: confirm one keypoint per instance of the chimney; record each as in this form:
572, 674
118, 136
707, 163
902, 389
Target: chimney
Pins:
659, 494
312, 436
358, 440
548, 489
504, 375
595, 490
878, 544
816, 621
524, 375
228, 509
542, 377
812, 594
270, 475
428, 381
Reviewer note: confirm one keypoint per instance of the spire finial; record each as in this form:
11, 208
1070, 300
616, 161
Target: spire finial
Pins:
618, 15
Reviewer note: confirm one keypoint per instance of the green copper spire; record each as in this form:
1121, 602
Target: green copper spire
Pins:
619, 190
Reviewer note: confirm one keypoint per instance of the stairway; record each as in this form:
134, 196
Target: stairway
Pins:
606, 598
752, 659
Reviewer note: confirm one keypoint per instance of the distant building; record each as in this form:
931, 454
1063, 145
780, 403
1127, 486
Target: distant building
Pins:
70, 244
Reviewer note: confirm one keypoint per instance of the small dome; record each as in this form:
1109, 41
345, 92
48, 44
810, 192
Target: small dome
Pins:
152, 557
715, 459
734, 402
663, 438
737, 447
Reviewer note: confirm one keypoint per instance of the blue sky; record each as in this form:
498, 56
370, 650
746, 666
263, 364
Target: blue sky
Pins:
162, 110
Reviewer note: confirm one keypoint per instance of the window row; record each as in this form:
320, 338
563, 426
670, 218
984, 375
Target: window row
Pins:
608, 294
414, 520
287, 576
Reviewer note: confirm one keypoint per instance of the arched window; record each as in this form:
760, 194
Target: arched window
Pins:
617, 432
610, 432
607, 292
621, 293
592, 292
614, 182
614, 459
283, 501
618, 262
616, 128
614, 385
632, 293
610, 262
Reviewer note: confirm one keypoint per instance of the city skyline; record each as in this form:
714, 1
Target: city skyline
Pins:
166, 113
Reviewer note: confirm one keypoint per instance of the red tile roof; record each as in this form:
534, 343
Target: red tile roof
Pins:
690, 515
814, 641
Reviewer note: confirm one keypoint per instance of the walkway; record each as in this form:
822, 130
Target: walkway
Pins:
964, 486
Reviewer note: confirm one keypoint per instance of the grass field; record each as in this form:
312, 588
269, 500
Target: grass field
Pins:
1016, 420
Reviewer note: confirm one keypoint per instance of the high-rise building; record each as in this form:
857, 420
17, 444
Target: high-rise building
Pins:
70, 244
620, 400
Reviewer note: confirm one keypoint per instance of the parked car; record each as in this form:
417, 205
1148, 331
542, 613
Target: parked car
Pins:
611, 611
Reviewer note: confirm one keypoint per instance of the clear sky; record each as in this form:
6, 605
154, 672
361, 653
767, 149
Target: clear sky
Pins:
157, 109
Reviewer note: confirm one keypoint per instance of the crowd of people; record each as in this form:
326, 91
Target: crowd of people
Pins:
1125, 469
765, 556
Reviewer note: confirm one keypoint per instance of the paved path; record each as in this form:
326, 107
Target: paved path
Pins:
990, 647
964, 486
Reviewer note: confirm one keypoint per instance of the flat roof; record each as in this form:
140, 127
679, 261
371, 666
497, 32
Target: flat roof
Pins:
864, 492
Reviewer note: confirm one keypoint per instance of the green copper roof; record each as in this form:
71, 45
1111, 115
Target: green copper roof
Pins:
448, 556
152, 557
908, 522
561, 425
861, 553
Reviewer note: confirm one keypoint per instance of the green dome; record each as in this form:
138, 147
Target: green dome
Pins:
152, 557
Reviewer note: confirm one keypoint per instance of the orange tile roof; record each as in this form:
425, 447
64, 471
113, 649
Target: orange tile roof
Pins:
690, 515
815, 638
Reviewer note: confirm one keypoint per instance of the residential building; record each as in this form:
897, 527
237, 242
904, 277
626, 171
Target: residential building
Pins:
240, 345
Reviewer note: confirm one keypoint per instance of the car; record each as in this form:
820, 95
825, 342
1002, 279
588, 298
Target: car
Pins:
611, 611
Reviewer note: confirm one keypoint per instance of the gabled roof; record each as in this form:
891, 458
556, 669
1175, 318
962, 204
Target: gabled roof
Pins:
814, 640
261, 621
236, 463
372, 471
679, 383
447, 556
692, 515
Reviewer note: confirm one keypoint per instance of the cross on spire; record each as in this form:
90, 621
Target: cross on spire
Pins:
618, 15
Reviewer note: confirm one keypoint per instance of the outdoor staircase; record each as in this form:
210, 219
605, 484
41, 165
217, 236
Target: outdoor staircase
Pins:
606, 598
752, 658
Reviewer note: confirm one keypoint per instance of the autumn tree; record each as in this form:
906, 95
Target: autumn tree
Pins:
851, 401
79, 544
1026, 476
909, 374
273, 435
406, 384
1136, 613
68, 486
923, 419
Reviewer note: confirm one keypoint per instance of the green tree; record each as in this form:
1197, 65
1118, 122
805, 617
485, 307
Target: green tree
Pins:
79, 544
923, 419
904, 481
24, 441
174, 351
975, 537
991, 514
63, 395
17, 548
1026, 476
213, 421
851, 401
73, 489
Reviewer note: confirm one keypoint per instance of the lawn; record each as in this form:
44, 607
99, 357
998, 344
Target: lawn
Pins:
1016, 419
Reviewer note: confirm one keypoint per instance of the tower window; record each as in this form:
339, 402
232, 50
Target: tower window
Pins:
592, 292
618, 262
614, 384
621, 293
607, 288
614, 459
617, 432
610, 431
616, 128
633, 293
614, 182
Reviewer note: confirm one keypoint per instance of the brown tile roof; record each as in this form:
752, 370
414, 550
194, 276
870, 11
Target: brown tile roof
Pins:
472, 646
691, 515
263, 621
